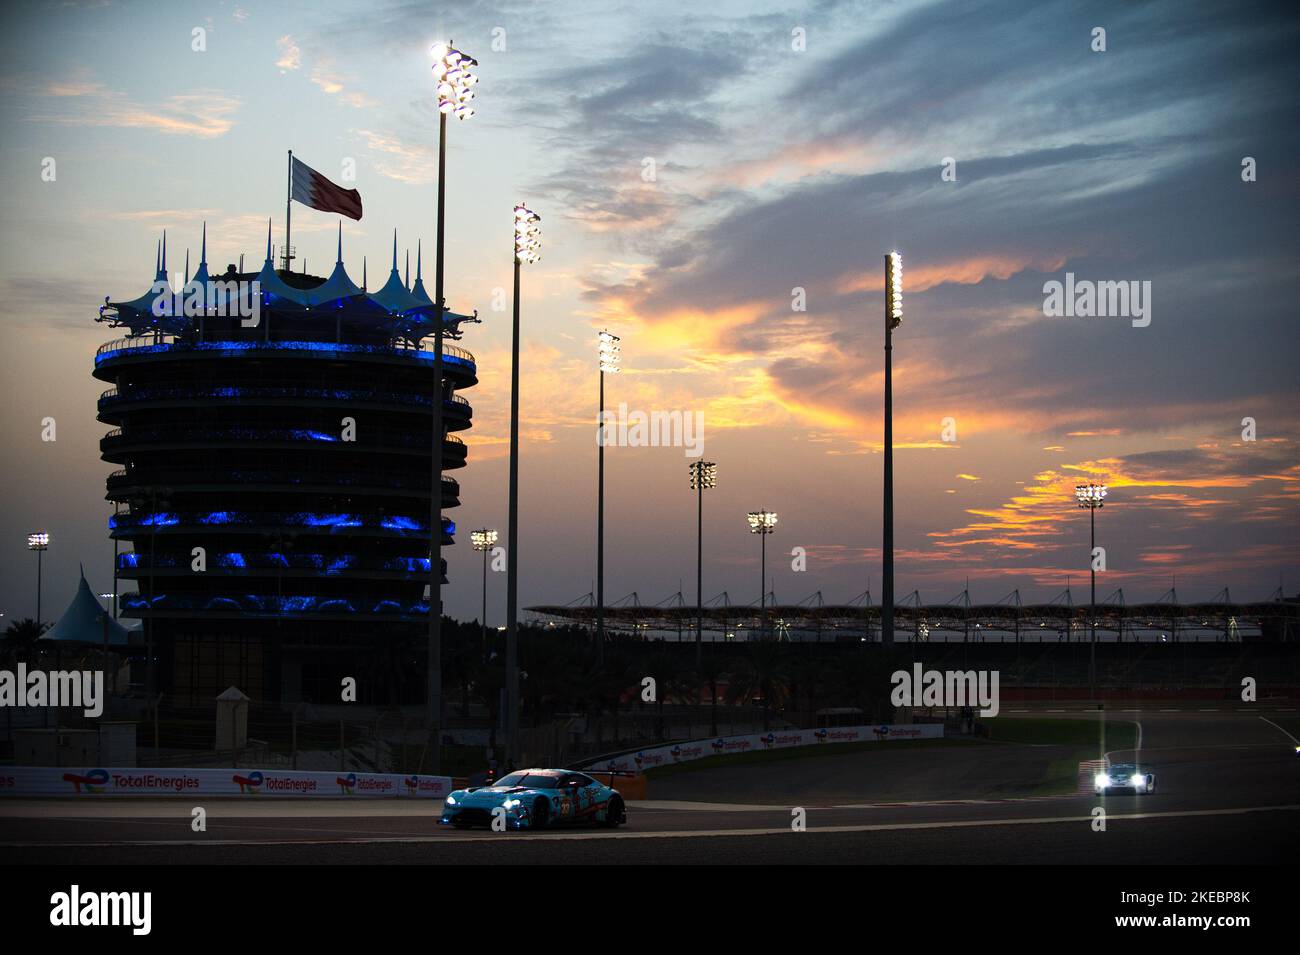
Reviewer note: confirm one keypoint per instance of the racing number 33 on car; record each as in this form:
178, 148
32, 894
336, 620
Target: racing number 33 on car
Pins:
535, 799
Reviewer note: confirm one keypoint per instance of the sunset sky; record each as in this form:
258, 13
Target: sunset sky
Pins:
778, 165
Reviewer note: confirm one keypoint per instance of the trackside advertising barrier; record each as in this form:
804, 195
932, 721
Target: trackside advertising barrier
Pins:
60, 781
784, 739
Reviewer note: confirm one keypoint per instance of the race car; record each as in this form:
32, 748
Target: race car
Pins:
1123, 777
536, 799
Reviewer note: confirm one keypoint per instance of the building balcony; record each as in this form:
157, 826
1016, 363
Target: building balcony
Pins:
118, 442
458, 363
114, 402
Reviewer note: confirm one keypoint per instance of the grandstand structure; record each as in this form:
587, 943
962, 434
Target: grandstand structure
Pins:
1010, 620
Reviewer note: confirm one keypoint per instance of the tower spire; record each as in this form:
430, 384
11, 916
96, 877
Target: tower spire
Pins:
164, 252
187, 266
407, 282
268, 240
203, 249
340, 259
417, 260
363, 273
394, 250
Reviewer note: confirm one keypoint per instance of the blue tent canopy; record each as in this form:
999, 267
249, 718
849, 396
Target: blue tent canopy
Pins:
83, 621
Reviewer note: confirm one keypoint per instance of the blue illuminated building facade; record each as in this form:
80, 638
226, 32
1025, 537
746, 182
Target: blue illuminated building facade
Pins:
272, 498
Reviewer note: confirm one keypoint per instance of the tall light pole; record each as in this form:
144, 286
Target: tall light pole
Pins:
39, 542
762, 523
483, 540
528, 248
704, 474
1092, 496
454, 85
893, 318
608, 353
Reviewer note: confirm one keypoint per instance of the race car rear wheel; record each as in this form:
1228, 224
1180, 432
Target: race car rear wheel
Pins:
614, 814
541, 814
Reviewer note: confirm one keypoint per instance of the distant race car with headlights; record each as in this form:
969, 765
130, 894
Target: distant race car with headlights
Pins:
1123, 777
536, 799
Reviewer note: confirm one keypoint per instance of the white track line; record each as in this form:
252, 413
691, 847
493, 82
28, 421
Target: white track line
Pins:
679, 834
1137, 744
1282, 731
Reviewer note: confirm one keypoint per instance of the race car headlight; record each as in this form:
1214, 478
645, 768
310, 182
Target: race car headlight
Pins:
1101, 779
511, 804
451, 800
1139, 781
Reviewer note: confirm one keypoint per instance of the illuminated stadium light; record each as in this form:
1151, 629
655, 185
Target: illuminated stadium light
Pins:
609, 353
528, 235
704, 474
39, 542
894, 288
483, 539
762, 523
455, 82
1090, 495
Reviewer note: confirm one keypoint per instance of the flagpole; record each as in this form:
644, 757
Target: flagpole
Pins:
288, 205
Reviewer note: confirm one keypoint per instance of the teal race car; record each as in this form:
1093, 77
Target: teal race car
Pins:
536, 799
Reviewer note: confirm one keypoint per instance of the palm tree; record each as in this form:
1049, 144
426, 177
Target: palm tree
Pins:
20, 639
612, 680
671, 678
712, 669
764, 675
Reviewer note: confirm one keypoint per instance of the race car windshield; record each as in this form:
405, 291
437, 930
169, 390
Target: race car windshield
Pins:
529, 781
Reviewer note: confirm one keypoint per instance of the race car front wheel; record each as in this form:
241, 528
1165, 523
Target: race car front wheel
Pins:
614, 814
541, 814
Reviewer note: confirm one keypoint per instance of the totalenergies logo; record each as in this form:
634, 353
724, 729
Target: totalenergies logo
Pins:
412, 784
250, 784
821, 735
675, 752
347, 783
769, 740
719, 744
881, 732
94, 781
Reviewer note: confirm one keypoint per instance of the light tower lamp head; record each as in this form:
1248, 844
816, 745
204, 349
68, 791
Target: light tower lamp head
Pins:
704, 475
455, 82
609, 352
894, 289
483, 539
762, 522
528, 235
38, 541
1090, 495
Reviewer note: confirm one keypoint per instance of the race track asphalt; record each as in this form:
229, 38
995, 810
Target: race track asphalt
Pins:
1229, 793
